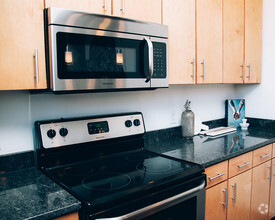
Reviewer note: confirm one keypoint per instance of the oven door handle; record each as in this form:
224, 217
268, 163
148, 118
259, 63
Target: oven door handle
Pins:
157, 206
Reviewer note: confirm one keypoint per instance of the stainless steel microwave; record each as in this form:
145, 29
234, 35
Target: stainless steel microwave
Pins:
88, 52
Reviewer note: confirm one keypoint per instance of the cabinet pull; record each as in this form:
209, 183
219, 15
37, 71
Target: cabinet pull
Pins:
243, 70
36, 65
266, 155
194, 68
215, 177
245, 164
249, 76
226, 195
203, 75
235, 193
105, 5
270, 173
123, 7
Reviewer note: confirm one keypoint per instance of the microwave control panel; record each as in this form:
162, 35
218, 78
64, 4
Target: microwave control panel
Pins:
159, 60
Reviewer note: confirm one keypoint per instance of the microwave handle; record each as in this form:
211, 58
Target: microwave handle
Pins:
151, 59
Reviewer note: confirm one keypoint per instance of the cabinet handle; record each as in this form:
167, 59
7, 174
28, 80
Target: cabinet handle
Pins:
235, 193
270, 173
245, 164
105, 5
243, 70
266, 155
194, 68
215, 177
226, 195
36, 65
203, 75
123, 7
249, 76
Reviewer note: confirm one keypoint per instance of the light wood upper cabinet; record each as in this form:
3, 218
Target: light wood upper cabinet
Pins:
242, 41
93, 6
253, 40
22, 34
233, 40
209, 41
260, 191
180, 17
138, 9
239, 189
215, 200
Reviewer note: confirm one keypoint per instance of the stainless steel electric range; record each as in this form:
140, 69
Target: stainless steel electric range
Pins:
102, 162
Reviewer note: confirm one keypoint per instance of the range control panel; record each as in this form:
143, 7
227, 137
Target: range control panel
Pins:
62, 133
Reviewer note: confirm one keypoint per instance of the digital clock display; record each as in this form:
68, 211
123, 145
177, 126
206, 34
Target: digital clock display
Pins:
98, 127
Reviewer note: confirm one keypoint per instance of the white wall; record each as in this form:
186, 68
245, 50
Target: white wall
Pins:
161, 108
260, 99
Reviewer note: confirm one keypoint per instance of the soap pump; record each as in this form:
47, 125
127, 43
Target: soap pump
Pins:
187, 121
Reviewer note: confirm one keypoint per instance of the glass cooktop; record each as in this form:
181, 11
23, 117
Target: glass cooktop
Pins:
115, 176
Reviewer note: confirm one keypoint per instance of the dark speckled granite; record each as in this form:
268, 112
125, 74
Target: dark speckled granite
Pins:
205, 150
13, 162
29, 194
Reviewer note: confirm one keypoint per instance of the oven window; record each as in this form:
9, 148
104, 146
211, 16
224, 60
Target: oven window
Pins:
81, 56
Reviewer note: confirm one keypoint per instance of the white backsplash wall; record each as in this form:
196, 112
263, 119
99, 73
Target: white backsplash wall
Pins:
161, 108
260, 99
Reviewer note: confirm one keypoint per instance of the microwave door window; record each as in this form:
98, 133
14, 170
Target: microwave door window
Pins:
81, 56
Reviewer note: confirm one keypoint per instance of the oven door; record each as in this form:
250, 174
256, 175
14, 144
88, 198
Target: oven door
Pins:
85, 59
189, 204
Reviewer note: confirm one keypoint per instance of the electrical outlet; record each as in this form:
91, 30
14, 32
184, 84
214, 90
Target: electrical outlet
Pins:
173, 118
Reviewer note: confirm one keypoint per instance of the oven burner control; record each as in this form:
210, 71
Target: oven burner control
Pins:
136, 122
51, 133
63, 132
128, 123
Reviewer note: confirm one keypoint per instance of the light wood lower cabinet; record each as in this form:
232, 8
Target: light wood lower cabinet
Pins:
72, 216
260, 191
272, 191
239, 189
215, 202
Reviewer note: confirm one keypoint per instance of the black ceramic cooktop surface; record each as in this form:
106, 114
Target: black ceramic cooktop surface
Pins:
104, 179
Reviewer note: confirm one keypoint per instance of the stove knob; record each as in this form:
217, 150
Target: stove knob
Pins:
63, 132
128, 123
51, 133
136, 122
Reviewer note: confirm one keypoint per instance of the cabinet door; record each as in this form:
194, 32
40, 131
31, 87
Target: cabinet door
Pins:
94, 6
260, 191
272, 192
72, 216
22, 33
180, 17
215, 202
209, 41
233, 41
138, 9
239, 189
253, 40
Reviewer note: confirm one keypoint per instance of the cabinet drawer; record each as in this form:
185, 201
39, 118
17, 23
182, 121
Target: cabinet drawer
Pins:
216, 173
273, 155
262, 155
239, 164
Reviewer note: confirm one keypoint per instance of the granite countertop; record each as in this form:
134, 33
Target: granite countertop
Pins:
29, 194
205, 150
